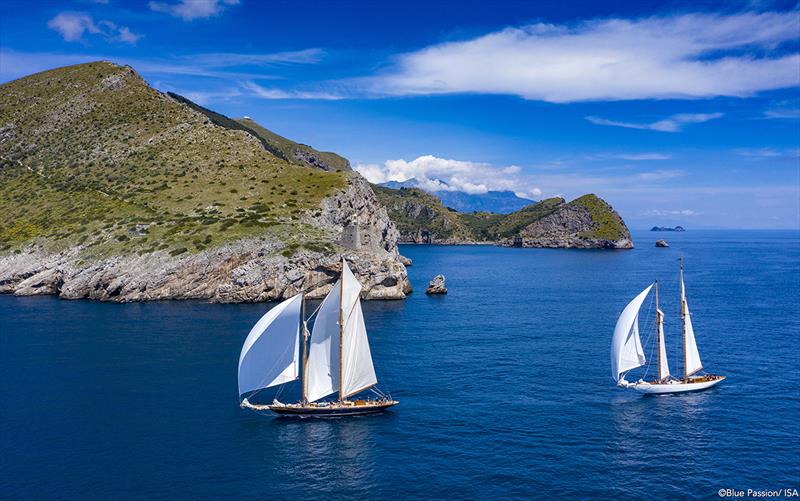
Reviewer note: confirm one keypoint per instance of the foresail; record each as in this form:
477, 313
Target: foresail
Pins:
663, 369
693, 363
358, 373
626, 346
270, 352
692, 355
322, 369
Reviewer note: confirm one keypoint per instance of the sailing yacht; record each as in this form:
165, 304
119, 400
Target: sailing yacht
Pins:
627, 352
336, 358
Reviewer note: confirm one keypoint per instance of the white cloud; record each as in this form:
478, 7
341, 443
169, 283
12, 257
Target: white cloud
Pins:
72, 26
440, 174
782, 113
270, 93
769, 152
680, 56
635, 157
671, 213
189, 10
673, 123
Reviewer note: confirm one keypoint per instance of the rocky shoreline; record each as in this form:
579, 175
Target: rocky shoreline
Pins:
248, 270
245, 271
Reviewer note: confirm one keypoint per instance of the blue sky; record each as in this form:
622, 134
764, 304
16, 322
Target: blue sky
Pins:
674, 112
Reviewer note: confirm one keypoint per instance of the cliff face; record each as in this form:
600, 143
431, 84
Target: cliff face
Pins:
587, 222
421, 218
111, 190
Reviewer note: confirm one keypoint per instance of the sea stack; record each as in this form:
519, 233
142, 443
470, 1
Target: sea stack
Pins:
436, 286
661, 243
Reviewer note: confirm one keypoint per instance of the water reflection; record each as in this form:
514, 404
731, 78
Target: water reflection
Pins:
329, 452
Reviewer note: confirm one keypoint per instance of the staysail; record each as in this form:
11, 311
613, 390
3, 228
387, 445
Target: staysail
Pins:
322, 371
322, 367
270, 352
663, 367
692, 355
626, 346
358, 373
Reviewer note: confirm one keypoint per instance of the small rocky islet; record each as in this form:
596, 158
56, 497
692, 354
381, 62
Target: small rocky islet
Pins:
112, 190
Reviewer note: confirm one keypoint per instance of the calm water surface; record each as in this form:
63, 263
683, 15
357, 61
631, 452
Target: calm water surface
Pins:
504, 384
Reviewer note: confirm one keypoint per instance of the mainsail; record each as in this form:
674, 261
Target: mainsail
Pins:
663, 367
343, 305
626, 347
692, 361
270, 353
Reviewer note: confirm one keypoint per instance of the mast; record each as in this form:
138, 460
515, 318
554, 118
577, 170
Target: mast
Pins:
341, 330
683, 321
305, 349
658, 336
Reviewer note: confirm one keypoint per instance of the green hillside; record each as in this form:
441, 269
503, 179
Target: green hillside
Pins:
586, 221
489, 226
414, 211
293, 152
91, 154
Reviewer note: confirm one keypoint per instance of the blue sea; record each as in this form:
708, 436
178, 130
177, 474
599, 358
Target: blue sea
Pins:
504, 383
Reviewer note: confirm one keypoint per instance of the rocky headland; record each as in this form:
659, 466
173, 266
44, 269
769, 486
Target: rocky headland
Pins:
114, 191
587, 222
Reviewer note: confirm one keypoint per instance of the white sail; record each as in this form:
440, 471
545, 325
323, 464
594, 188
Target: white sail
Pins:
322, 366
358, 373
626, 347
322, 371
663, 368
270, 353
693, 363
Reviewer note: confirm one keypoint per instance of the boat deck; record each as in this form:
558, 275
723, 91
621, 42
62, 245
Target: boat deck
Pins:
325, 409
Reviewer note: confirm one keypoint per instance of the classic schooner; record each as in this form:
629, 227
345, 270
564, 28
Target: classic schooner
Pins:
336, 358
627, 352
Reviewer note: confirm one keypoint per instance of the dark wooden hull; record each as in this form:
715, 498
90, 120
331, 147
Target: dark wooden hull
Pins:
335, 410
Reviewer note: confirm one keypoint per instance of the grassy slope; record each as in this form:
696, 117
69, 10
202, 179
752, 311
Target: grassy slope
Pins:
609, 225
286, 148
90, 153
494, 226
445, 223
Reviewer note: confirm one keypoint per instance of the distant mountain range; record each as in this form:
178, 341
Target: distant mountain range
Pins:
498, 202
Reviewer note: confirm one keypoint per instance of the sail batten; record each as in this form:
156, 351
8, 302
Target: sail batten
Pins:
270, 354
626, 345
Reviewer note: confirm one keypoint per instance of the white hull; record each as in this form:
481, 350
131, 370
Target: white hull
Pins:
674, 386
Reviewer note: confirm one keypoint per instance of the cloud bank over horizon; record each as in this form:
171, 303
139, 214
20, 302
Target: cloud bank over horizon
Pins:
685, 56
441, 174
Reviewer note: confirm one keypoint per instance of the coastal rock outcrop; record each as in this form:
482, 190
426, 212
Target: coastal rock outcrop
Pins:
661, 243
587, 222
436, 286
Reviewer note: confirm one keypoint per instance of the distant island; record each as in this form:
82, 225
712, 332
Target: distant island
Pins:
667, 228
586, 222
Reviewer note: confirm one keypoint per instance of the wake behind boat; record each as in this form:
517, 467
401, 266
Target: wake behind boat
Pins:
338, 359
627, 352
